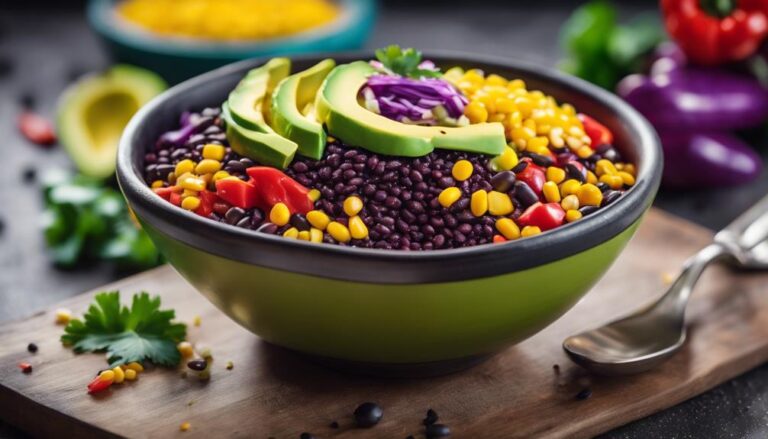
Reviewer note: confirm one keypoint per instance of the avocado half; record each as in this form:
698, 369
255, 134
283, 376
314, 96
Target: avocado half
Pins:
93, 112
293, 114
338, 107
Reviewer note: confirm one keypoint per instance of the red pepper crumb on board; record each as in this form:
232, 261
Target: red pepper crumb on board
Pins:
36, 129
25, 367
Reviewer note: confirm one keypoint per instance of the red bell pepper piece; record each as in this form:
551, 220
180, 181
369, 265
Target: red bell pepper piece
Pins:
544, 216
598, 133
165, 192
207, 200
36, 129
238, 193
25, 367
98, 385
276, 187
498, 239
711, 34
175, 198
533, 175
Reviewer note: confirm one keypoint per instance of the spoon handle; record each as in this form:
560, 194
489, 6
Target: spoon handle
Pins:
748, 230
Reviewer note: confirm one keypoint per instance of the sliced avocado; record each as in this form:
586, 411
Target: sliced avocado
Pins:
294, 95
266, 148
250, 101
338, 107
93, 112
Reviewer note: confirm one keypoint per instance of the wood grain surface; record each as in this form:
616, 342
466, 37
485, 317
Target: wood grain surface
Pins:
275, 393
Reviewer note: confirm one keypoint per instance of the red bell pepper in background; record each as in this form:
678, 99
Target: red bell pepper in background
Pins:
533, 175
238, 193
598, 133
711, 35
276, 187
37, 129
544, 216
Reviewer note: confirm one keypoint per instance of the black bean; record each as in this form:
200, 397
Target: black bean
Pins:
573, 171
334, 425
198, 365
503, 181
32, 348
524, 194
541, 160
257, 217
520, 167
435, 431
609, 197
300, 222
368, 414
244, 223
306, 435
603, 187
584, 394
27, 101
234, 166
29, 175
431, 417
234, 215
268, 228
587, 210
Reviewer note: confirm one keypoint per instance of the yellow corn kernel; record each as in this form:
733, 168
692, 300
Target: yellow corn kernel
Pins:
119, 375
318, 219
279, 214
185, 349
613, 181
197, 321
499, 203
572, 215
292, 233
462, 170
506, 160
188, 193
516, 84
584, 152
627, 178
589, 195
476, 112
339, 231
353, 205
304, 235
190, 203
184, 167
135, 366
193, 184
569, 187
494, 79
479, 203
530, 231
314, 194
208, 166
551, 192
570, 202
107, 375
315, 235
591, 177
508, 228
603, 167
555, 174
130, 374
357, 228
213, 151
629, 168
185, 426
449, 196
63, 316
157, 184
220, 175
538, 143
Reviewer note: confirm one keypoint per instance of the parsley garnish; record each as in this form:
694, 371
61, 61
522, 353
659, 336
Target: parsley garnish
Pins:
141, 332
404, 62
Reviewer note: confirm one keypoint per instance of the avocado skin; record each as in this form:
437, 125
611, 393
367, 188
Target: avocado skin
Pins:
250, 101
268, 149
290, 97
338, 107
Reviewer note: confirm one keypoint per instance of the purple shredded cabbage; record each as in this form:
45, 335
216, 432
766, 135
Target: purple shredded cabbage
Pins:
402, 98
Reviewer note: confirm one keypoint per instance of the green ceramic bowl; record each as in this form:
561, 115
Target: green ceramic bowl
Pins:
406, 312
177, 59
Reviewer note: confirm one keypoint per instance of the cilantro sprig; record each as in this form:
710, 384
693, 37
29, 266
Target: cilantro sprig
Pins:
142, 332
405, 62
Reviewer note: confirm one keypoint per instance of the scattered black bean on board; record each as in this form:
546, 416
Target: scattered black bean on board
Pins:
198, 365
435, 431
306, 435
368, 414
584, 394
334, 425
29, 175
431, 418
32, 348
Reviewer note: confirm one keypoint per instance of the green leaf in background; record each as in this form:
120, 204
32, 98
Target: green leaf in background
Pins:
85, 219
142, 332
603, 52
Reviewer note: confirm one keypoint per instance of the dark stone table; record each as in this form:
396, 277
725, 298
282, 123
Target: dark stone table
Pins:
41, 48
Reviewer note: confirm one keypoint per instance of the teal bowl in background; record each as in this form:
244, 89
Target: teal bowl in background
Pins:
389, 311
177, 59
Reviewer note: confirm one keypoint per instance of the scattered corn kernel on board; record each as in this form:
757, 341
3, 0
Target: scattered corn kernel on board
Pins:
274, 393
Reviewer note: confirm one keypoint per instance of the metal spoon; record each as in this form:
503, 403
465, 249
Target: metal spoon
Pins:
648, 337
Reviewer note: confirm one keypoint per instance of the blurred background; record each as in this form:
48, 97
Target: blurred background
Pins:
64, 228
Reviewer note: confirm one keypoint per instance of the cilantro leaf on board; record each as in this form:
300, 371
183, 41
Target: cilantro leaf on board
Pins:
142, 332
405, 62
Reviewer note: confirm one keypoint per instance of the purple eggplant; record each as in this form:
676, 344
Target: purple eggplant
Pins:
707, 159
689, 98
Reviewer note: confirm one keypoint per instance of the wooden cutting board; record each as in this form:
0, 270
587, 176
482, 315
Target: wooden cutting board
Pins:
275, 393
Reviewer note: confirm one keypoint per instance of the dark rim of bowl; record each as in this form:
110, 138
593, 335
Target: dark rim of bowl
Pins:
397, 266
101, 16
